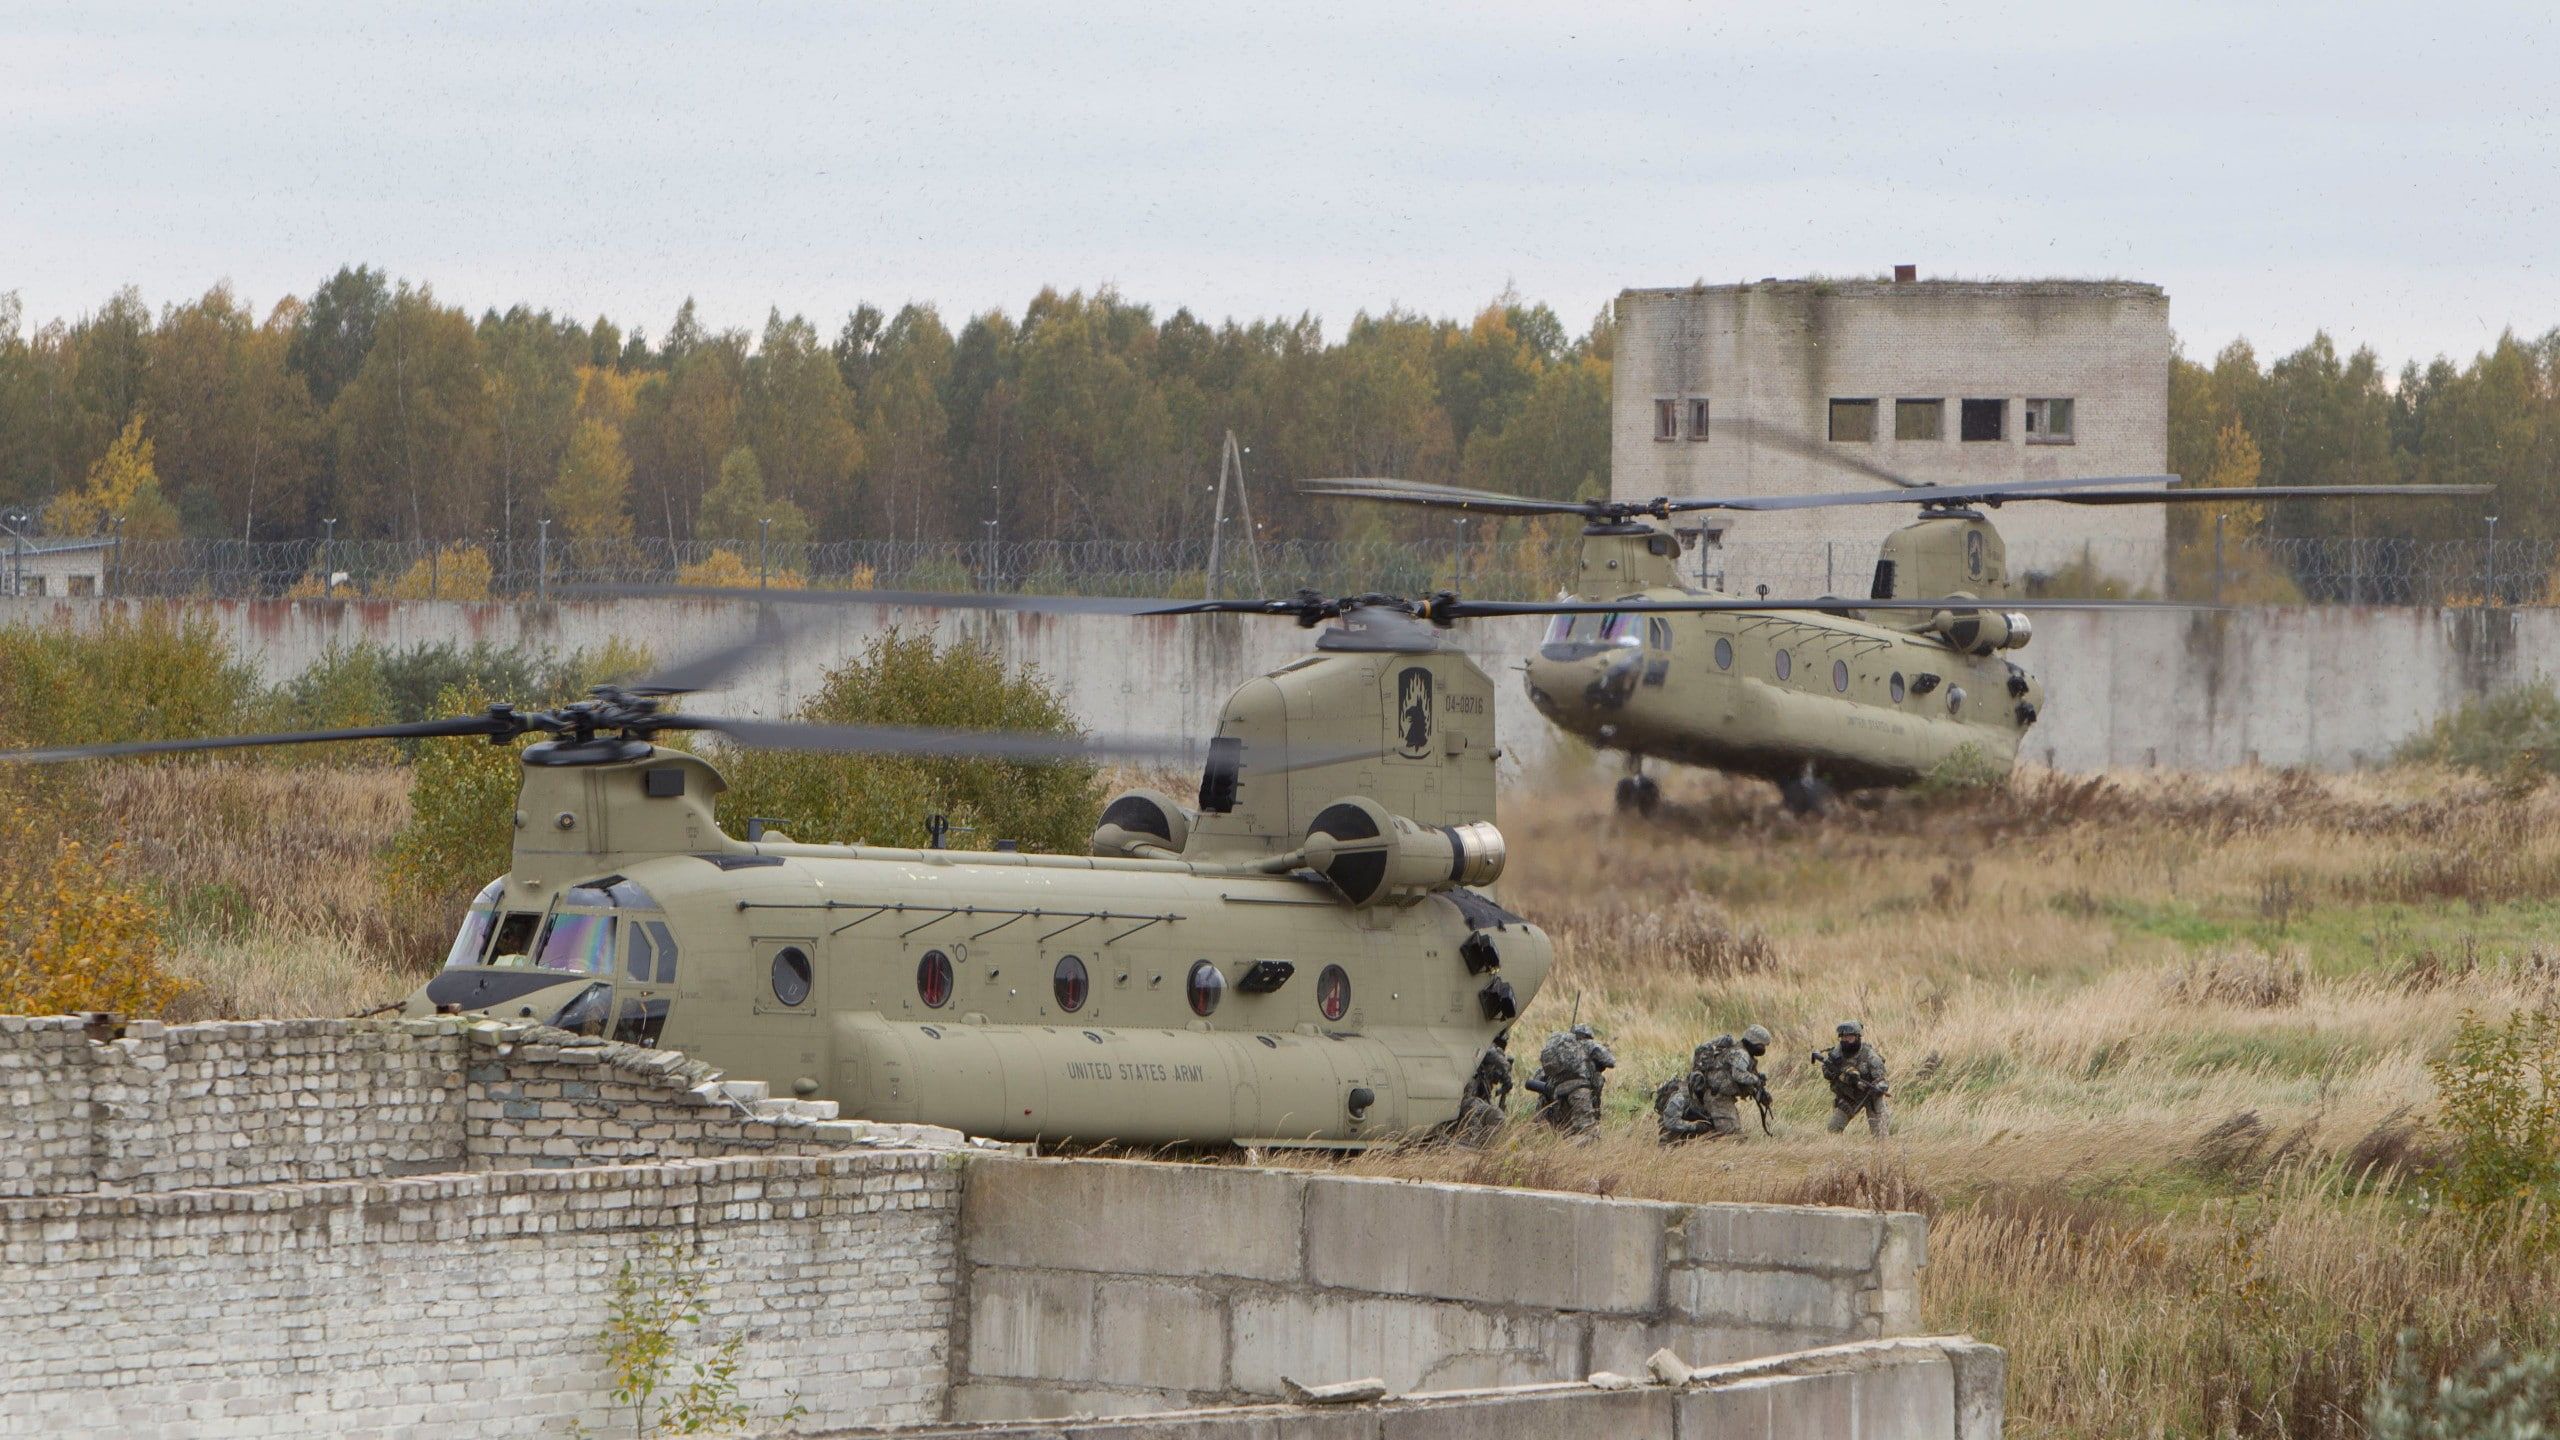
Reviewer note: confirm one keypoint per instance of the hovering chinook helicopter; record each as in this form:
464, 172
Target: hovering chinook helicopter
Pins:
1852, 694
1304, 956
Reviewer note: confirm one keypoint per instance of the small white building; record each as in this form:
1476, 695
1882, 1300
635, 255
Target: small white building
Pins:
1936, 380
39, 566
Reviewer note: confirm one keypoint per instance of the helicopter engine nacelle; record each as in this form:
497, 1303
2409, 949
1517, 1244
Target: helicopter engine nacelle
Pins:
1980, 632
1143, 825
1371, 854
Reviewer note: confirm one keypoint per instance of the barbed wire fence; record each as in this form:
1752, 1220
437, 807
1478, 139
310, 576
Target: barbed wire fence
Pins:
2321, 571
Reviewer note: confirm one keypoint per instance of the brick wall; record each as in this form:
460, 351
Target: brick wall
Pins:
299, 1101
469, 1305
1128, 1286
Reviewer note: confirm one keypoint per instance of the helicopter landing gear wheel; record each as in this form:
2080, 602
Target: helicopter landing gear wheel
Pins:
1807, 795
1639, 793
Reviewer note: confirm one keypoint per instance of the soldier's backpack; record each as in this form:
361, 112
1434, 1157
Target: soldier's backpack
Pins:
1561, 1057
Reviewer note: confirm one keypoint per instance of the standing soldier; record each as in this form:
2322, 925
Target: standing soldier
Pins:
1569, 1071
1487, 1099
1679, 1103
1856, 1074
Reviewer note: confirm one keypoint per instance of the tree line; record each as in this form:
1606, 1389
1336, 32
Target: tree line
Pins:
378, 406
374, 404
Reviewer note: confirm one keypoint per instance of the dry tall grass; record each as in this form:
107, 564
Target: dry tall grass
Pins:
2158, 1047
271, 882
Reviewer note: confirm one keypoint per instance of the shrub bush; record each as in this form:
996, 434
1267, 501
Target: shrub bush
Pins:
2495, 1397
74, 936
2512, 729
2498, 1098
902, 679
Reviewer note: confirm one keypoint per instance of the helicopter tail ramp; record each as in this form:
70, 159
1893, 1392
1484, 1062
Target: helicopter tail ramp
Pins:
307, 1228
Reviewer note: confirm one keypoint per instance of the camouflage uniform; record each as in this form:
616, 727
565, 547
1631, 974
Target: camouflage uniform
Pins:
1856, 1074
1679, 1102
1570, 1066
1484, 1105
1733, 1077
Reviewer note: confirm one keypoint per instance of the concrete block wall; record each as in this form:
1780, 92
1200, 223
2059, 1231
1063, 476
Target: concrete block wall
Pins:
1933, 1389
1118, 1287
470, 1305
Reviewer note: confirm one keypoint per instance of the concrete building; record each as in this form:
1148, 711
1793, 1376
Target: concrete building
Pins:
42, 567
1941, 381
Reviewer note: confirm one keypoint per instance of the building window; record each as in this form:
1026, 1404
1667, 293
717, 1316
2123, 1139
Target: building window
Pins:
1666, 419
88, 584
1697, 419
1919, 419
1853, 419
1984, 419
2049, 422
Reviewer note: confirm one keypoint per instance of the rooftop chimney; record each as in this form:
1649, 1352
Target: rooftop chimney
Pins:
1905, 274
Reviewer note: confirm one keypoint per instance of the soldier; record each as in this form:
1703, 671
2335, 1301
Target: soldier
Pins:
1486, 1101
1569, 1076
1732, 1076
1679, 1103
1856, 1074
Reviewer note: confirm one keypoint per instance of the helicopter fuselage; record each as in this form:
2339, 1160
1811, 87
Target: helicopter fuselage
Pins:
1017, 996
1779, 695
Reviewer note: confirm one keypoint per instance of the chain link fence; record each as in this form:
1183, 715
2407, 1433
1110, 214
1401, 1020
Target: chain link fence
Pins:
2272, 569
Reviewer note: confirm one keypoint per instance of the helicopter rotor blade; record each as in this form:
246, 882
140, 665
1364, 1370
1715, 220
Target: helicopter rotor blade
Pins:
2243, 495
1446, 497
1007, 745
1805, 447
1727, 605
507, 724
920, 599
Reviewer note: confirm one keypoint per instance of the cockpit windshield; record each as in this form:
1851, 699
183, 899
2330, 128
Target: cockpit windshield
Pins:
473, 940
1571, 637
582, 943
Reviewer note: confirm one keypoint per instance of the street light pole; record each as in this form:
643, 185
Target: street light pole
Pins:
328, 551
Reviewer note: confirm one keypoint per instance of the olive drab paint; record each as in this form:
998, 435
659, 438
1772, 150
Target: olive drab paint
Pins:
1181, 984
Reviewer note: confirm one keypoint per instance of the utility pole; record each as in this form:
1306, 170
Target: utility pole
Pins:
542, 563
764, 539
328, 552
1231, 461
2489, 565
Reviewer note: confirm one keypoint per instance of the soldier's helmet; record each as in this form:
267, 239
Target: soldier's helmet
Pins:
1756, 1038
1583, 1031
1701, 1057
1851, 1030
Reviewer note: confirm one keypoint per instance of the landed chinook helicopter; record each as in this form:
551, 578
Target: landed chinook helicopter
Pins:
1306, 956
1854, 694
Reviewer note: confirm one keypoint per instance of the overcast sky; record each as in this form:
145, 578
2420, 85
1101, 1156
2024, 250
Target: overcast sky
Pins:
2389, 171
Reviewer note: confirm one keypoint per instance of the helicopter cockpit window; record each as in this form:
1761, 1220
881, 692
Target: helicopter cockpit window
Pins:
641, 1022
1657, 633
577, 942
621, 894
653, 952
1561, 628
473, 941
587, 1012
514, 943
1625, 630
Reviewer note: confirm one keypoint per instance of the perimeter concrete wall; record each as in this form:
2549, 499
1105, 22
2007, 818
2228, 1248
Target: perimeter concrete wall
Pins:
1934, 1389
2329, 687
1107, 1287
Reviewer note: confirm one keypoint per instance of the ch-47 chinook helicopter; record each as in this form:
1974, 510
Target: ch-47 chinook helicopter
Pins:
1304, 956
1846, 694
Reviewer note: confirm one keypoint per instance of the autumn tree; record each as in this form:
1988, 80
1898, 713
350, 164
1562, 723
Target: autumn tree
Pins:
234, 424
797, 417
412, 430
588, 496
738, 507
122, 495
